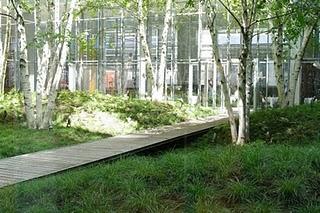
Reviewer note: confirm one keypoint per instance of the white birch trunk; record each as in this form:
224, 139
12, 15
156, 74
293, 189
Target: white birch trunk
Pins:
242, 101
61, 58
4, 47
37, 19
249, 86
53, 26
2, 54
243, 84
158, 93
211, 16
150, 73
43, 67
39, 66
294, 74
277, 53
23, 65
43, 56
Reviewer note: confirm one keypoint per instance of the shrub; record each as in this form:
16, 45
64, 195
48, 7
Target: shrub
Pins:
11, 107
293, 125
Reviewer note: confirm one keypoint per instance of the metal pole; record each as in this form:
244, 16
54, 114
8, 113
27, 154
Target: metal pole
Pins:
175, 70
136, 59
267, 76
98, 86
122, 54
206, 87
256, 71
116, 78
214, 86
190, 84
199, 51
172, 55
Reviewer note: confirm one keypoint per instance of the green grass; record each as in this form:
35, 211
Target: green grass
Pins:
279, 171
254, 178
119, 113
16, 139
296, 125
93, 116
203, 177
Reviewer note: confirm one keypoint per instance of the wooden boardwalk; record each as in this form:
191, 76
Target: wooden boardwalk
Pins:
39, 164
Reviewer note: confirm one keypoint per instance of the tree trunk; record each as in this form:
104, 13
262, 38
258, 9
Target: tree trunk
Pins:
145, 48
242, 82
277, 53
52, 26
294, 74
244, 74
4, 53
23, 65
211, 16
43, 67
43, 56
158, 93
249, 86
61, 58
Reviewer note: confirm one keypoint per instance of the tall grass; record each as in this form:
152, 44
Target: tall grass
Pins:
207, 176
254, 178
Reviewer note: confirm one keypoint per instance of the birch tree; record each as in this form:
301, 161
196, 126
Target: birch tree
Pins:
245, 14
23, 64
277, 25
150, 71
155, 77
297, 27
159, 86
58, 63
52, 56
278, 57
295, 72
4, 46
211, 23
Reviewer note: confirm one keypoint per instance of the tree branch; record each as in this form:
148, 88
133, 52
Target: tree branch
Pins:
8, 15
270, 18
231, 13
265, 31
253, 10
17, 11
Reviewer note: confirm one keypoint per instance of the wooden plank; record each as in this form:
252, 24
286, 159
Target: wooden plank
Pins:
30, 166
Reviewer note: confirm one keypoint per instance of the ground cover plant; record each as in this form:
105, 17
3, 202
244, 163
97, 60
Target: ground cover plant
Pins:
294, 125
140, 114
205, 176
90, 116
145, 113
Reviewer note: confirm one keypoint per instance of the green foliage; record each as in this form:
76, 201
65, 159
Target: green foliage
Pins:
16, 139
11, 107
292, 189
204, 176
87, 46
197, 178
294, 15
26, 6
237, 190
295, 125
147, 114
